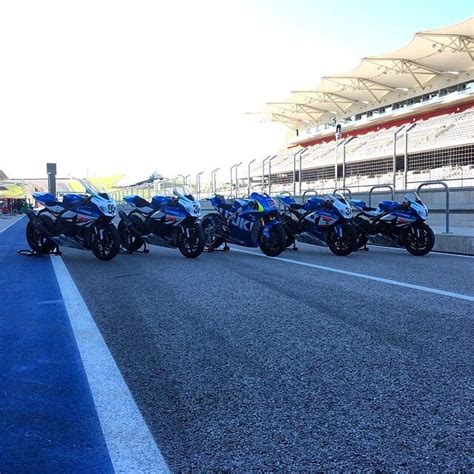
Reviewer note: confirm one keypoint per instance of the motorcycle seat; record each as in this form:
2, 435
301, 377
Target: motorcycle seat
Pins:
296, 207
372, 212
46, 198
389, 205
137, 201
159, 201
73, 200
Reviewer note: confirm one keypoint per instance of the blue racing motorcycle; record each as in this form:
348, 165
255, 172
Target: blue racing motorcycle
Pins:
325, 221
81, 221
394, 223
166, 221
253, 222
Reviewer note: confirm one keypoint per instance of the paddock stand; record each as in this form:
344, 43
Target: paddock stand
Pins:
225, 249
142, 249
33, 253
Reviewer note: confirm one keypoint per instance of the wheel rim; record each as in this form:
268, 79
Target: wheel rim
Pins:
342, 243
417, 238
127, 237
104, 245
189, 239
271, 242
209, 229
38, 240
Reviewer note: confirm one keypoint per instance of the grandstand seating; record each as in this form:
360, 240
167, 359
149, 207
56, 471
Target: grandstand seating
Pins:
440, 147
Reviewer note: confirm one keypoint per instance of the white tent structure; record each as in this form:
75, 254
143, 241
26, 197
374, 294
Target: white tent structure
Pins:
432, 60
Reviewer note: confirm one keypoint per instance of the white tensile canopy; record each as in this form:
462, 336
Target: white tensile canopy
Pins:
432, 60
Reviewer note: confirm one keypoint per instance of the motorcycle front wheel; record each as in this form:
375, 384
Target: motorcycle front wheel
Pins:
342, 245
275, 243
105, 241
130, 242
190, 239
419, 239
39, 242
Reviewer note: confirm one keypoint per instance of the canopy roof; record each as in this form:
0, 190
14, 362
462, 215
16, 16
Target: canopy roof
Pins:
432, 60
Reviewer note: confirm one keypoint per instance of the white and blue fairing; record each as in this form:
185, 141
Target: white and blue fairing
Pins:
72, 203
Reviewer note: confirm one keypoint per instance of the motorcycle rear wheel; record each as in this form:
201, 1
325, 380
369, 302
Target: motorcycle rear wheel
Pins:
275, 244
361, 236
211, 225
129, 241
38, 242
343, 245
420, 244
107, 247
289, 227
190, 239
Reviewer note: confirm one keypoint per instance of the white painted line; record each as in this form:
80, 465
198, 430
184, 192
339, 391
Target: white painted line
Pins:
11, 223
130, 443
427, 289
433, 252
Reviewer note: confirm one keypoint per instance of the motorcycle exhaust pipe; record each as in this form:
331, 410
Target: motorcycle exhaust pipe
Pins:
128, 222
38, 224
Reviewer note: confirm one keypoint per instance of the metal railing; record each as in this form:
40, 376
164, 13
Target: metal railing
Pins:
381, 186
340, 191
446, 189
315, 193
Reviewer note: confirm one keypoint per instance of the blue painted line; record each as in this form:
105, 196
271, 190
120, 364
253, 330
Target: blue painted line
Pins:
48, 421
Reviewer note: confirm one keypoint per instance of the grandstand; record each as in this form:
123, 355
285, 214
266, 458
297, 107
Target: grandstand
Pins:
404, 117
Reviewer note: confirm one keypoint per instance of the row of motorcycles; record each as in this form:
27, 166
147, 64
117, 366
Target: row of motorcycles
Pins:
85, 221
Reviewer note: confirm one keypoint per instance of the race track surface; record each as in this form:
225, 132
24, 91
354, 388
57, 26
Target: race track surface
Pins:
241, 362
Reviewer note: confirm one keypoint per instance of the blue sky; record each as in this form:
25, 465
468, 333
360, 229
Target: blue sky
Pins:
112, 86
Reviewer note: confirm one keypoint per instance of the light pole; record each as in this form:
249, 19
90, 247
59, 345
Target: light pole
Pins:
263, 172
236, 166
231, 180
405, 158
198, 185
394, 159
248, 176
270, 174
301, 170
301, 150
213, 179
344, 143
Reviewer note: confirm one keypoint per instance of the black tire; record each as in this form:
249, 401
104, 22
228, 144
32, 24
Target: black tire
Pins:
107, 247
345, 244
361, 236
419, 239
190, 239
289, 227
211, 225
39, 242
275, 244
129, 241
361, 239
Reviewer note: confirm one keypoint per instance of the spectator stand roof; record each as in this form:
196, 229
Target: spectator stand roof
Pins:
432, 60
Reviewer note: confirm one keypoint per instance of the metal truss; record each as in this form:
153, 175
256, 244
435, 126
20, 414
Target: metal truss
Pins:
355, 83
406, 66
455, 43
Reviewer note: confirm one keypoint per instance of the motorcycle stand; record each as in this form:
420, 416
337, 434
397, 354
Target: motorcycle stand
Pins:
33, 253
142, 249
225, 249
